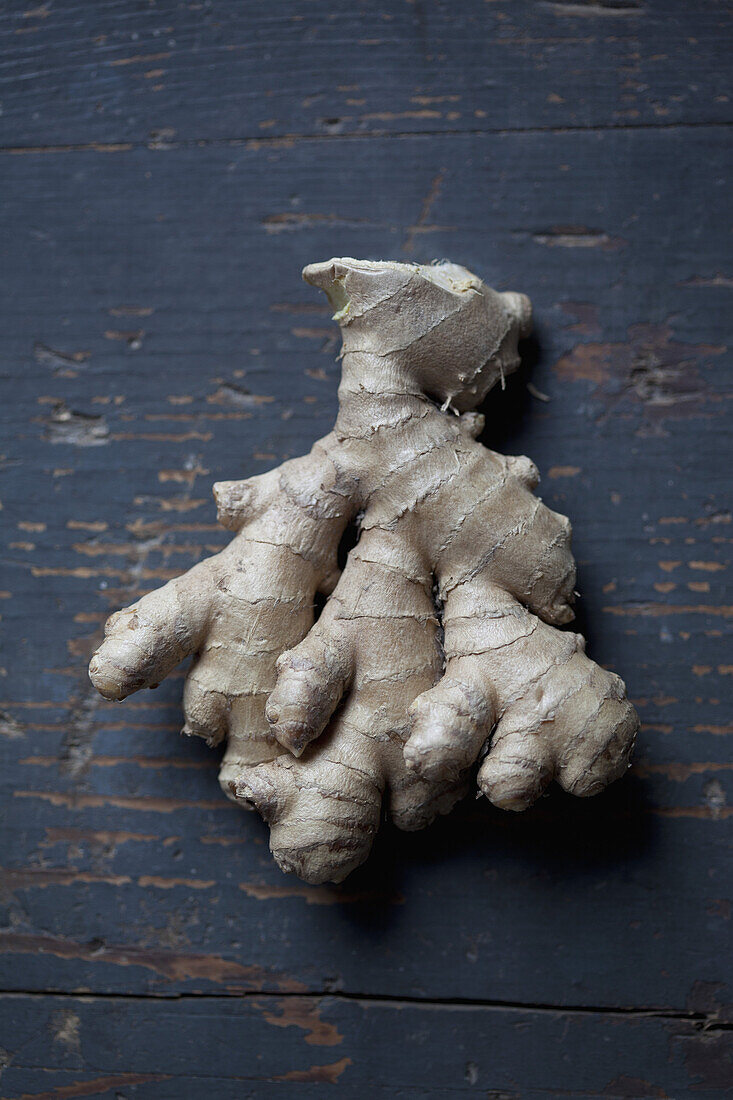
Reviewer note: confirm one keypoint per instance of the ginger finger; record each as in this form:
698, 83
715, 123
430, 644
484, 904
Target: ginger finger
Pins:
450, 725
311, 681
559, 714
144, 642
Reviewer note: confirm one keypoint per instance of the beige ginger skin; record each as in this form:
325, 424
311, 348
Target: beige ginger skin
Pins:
438, 646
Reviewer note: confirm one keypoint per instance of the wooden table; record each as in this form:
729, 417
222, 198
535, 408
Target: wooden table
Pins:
167, 169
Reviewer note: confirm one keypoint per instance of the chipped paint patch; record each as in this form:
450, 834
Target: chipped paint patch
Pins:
649, 369
563, 471
323, 1075
305, 1013
65, 1026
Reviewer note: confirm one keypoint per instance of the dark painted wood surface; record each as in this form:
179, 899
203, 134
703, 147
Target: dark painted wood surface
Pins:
155, 336
280, 1047
115, 71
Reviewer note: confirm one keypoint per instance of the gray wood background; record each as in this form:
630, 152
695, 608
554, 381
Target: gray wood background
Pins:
166, 170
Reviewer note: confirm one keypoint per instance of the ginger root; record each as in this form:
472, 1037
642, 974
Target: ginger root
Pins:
438, 645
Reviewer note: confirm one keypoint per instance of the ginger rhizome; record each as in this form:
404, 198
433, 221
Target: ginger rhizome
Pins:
438, 646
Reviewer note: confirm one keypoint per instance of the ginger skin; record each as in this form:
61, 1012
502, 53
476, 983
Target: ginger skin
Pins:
325, 722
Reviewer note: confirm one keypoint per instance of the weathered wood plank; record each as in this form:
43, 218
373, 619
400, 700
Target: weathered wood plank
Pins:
156, 337
105, 71
265, 1046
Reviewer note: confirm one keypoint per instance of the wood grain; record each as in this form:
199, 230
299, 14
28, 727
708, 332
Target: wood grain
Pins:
155, 336
265, 1046
104, 71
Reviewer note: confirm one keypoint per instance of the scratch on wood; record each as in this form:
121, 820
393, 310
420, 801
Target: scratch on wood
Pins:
289, 222
138, 59
596, 7
126, 802
324, 1075
175, 966
104, 838
420, 225
578, 236
679, 773
315, 895
655, 609
40, 878
170, 883
95, 1087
